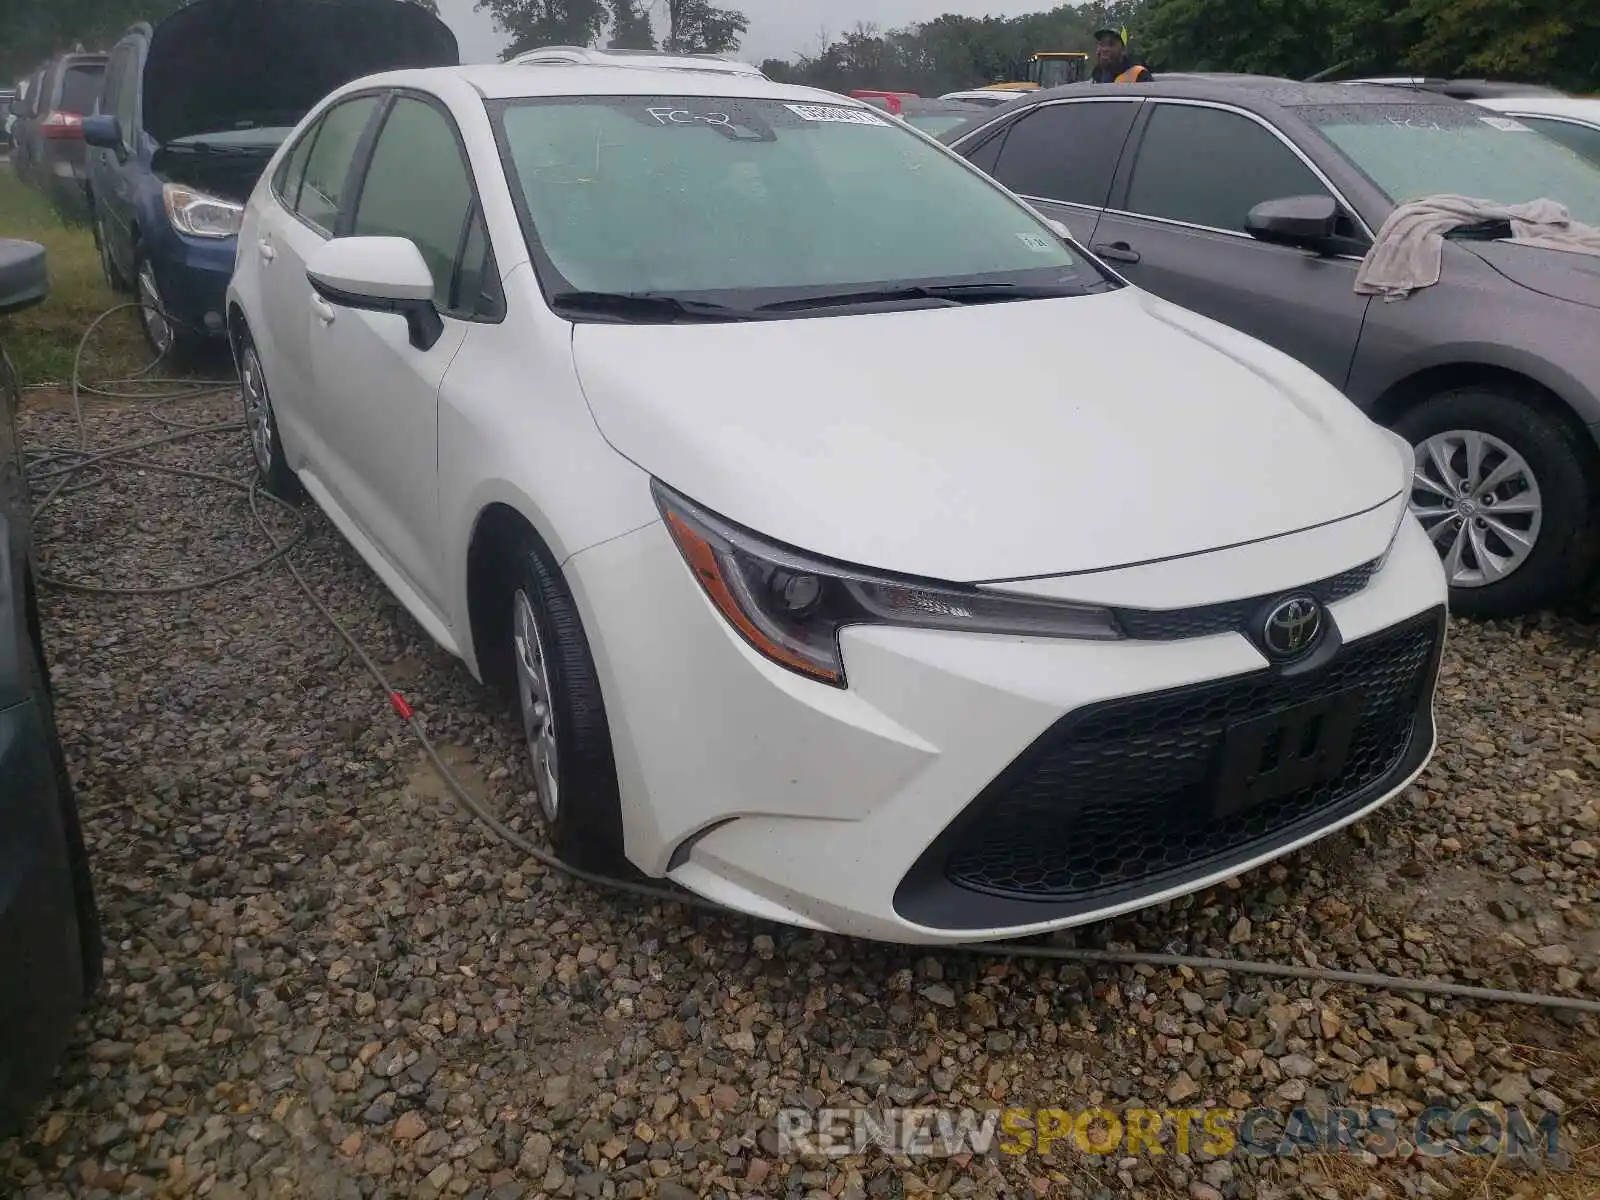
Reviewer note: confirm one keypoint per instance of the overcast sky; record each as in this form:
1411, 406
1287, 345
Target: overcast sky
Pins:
778, 28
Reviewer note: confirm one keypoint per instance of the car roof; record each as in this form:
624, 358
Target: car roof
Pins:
509, 81
1262, 94
1253, 92
651, 59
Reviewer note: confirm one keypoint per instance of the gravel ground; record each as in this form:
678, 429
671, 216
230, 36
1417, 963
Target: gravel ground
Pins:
324, 981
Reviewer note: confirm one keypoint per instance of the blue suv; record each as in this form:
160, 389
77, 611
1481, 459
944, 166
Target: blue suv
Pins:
193, 110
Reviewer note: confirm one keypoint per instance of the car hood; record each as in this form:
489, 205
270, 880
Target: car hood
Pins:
222, 64
1562, 274
988, 442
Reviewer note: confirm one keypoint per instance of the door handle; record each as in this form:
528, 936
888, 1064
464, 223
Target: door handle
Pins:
323, 309
1116, 252
266, 250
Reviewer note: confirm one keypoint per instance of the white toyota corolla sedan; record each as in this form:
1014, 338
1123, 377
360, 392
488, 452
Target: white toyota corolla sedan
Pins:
858, 551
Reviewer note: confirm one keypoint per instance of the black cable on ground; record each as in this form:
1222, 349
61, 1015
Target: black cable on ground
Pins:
80, 458
130, 454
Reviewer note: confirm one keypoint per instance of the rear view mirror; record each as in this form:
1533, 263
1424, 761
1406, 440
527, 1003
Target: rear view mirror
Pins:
1308, 222
379, 274
102, 131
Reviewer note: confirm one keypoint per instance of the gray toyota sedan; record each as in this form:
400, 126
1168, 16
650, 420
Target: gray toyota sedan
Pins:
1253, 201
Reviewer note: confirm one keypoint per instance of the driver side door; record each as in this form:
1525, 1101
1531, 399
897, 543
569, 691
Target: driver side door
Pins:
377, 394
1175, 227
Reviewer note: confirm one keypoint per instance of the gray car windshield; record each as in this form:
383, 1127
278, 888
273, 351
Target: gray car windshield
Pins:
1415, 150
752, 202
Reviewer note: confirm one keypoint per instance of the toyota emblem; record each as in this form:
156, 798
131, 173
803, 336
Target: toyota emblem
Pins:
1292, 627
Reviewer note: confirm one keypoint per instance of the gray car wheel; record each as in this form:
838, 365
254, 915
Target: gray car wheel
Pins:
1503, 491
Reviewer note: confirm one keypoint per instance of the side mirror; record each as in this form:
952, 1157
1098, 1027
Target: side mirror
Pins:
379, 274
1307, 222
103, 131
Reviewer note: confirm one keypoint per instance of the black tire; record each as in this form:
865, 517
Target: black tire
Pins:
115, 280
90, 945
273, 468
184, 344
1564, 545
587, 829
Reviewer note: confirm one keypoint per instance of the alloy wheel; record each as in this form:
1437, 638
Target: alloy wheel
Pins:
257, 409
153, 310
533, 695
1479, 502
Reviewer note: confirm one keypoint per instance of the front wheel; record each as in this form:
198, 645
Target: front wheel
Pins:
166, 334
563, 717
1503, 492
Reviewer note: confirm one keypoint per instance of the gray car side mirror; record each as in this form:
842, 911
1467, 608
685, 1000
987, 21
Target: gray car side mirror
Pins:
1307, 222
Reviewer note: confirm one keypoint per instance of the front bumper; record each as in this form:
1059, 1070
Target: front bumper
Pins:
193, 275
915, 806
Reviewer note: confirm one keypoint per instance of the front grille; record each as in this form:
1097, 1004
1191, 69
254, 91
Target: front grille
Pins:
1123, 795
1233, 616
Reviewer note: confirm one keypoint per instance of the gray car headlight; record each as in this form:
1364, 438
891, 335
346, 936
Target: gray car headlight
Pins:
200, 214
790, 606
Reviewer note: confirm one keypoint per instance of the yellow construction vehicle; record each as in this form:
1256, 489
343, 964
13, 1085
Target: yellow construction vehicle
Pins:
1046, 69
1054, 68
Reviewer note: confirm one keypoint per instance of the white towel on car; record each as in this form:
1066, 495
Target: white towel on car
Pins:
1409, 249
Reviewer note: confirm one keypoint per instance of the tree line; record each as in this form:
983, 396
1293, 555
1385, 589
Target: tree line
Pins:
687, 26
1556, 42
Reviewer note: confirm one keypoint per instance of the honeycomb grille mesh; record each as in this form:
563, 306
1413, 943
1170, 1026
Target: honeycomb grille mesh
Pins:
1122, 795
1152, 625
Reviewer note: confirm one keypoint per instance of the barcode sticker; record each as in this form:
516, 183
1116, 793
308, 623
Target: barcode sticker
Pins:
842, 116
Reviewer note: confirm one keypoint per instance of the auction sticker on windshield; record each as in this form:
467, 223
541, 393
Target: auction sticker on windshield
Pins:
844, 116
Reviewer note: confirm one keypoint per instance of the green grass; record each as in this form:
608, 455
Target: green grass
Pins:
42, 340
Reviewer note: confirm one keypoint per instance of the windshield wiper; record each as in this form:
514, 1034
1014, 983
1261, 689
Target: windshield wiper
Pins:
213, 148
646, 306
951, 293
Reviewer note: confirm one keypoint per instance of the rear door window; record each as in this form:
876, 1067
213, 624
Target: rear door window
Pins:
1067, 152
327, 165
81, 87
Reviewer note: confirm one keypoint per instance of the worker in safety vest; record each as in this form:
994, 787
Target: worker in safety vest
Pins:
1111, 62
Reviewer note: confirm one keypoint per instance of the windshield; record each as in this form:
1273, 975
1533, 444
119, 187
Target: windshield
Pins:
1415, 150
749, 202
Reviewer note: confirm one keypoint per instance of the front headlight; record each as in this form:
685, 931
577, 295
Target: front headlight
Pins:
200, 214
1408, 468
790, 606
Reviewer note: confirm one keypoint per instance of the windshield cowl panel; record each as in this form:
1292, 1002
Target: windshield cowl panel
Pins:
711, 208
